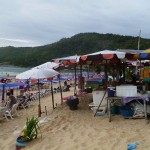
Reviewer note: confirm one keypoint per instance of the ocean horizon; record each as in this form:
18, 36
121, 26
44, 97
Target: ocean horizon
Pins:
11, 70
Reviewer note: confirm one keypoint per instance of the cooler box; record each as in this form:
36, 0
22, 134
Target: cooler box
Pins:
97, 97
126, 90
127, 111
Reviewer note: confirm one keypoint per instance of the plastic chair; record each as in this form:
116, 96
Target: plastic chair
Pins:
13, 111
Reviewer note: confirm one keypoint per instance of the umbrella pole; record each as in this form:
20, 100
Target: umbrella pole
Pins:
106, 74
39, 106
60, 90
75, 81
88, 70
52, 95
3, 94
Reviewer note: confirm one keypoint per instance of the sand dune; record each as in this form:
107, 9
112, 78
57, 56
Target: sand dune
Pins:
76, 130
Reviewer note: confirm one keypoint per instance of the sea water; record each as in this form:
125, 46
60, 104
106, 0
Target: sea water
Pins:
6, 71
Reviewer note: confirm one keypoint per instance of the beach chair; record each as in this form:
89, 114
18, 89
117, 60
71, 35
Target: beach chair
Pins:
25, 103
13, 111
2, 114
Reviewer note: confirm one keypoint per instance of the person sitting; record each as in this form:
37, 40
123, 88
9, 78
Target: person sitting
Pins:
66, 88
21, 98
12, 100
27, 94
65, 83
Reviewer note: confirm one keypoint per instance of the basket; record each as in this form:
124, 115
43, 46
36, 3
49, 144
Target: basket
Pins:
127, 111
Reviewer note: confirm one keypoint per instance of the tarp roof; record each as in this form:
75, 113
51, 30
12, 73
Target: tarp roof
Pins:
11, 85
130, 51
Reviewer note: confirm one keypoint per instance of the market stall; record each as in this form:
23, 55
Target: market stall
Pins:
112, 65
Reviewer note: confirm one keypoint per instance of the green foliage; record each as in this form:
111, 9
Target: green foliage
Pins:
79, 44
31, 129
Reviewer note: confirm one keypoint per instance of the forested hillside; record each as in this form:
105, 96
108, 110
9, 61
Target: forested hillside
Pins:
82, 43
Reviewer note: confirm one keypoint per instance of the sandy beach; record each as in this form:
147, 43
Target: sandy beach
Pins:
64, 129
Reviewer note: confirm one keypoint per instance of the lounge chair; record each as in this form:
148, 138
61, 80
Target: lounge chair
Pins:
25, 103
13, 111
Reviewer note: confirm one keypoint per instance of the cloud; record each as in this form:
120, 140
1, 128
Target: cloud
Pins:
42, 22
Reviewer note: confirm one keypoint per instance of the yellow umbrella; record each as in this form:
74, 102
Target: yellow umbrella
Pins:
146, 51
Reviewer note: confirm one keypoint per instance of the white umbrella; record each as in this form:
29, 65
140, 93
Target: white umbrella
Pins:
37, 74
48, 65
51, 65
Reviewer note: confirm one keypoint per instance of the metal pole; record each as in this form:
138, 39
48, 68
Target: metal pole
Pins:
139, 40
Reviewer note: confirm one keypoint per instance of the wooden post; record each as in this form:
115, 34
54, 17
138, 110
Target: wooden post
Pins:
52, 95
39, 106
60, 90
75, 81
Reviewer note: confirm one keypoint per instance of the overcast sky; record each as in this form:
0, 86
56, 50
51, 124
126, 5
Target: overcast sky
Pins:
40, 22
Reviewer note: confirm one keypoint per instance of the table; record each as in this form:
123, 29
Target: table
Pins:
125, 100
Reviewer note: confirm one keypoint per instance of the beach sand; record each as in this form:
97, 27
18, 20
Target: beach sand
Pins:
75, 130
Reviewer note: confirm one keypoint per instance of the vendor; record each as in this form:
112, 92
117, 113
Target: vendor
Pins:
121, 77
135, 77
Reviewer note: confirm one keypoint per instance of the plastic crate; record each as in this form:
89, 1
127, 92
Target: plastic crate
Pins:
127, 111
111, 92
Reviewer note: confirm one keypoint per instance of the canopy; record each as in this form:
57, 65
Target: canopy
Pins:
106, 55
70, 59
10, 85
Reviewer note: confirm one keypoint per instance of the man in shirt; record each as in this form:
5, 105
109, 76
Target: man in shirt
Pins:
12, 100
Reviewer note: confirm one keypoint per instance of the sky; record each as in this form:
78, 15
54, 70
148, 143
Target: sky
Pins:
30, 23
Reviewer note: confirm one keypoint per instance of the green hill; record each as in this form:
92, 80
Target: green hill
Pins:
82, 43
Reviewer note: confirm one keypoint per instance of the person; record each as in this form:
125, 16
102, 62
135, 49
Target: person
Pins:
121, 77
135, 77
12, 100
65, 84
27, 94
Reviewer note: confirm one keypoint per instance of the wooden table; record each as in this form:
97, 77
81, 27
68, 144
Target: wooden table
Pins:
125, 100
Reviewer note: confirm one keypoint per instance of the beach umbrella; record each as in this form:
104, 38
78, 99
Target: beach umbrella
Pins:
145, 55
106, 55
38, 74
69, 61
48, 65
